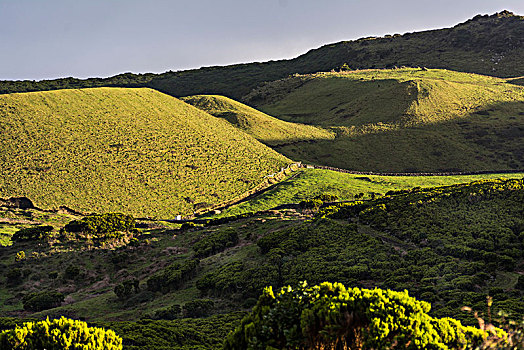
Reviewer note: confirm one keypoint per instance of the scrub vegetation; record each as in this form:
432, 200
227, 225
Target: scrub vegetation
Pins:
450, 246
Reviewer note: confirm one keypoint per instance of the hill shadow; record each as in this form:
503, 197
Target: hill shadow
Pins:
488, 139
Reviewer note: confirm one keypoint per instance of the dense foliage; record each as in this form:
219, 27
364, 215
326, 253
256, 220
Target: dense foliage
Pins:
451, 246
173, 276
59, 334
108, 225
38, 301
183, 334
331, 316
32, 233
215, 242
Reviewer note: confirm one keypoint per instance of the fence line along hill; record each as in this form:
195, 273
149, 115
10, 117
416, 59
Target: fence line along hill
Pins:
132, 150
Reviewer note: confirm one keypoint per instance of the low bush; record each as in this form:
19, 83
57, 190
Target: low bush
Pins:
109, 225
61, 334
39, 301
14, 276
125, 289
170, 313
172, 277
73, 272
32, 233
199, 308
215, 243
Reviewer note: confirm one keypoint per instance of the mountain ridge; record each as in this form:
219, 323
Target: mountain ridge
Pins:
485, 44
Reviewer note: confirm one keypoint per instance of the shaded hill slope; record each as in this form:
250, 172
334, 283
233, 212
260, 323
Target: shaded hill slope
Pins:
485, 44
132, 150
267, 129
402, 119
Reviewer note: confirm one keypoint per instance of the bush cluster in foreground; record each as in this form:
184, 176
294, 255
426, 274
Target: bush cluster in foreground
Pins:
331, 316
63, 334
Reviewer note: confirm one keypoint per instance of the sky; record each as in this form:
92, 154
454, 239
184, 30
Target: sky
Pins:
46, 39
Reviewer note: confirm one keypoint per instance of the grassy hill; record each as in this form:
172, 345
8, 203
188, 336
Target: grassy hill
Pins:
451, 246
484, 44
267, 129
402, 119
132, 150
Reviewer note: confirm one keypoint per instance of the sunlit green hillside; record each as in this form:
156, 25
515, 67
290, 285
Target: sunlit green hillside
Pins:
311, 183
132, 150
267, 129
402, 119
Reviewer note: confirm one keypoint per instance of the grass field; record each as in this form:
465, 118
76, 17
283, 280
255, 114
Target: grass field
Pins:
402, 119
132, 150
267, 129
309, 183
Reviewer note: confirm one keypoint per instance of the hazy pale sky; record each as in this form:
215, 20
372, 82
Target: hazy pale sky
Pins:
42, 39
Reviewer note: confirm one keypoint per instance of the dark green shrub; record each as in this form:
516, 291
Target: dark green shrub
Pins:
215, 243
172, 277
32, 233
73, 272
520, 283
187, 225
125, 289
198, 308
61, 334
39, 301
100, 226
14, 276
171, 313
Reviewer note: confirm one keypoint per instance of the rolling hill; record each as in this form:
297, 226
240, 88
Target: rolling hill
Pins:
267, 129
402, 119
485, 44
132, 150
